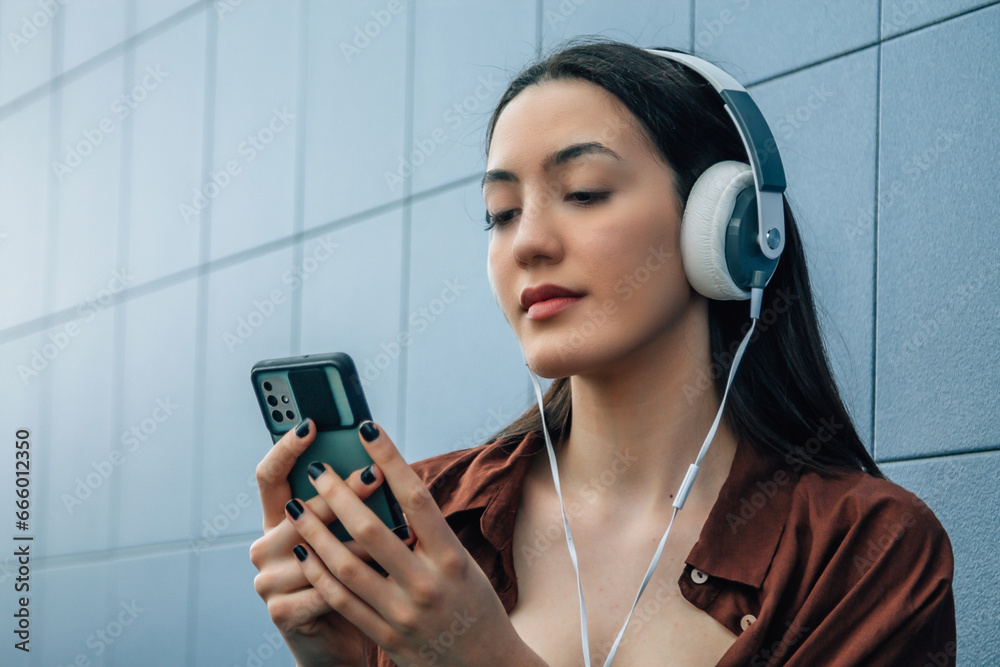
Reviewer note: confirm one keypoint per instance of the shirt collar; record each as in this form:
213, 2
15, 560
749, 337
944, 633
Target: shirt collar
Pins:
737, 541
741, 533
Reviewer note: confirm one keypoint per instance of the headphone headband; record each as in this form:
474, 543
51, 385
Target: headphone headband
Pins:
768, 172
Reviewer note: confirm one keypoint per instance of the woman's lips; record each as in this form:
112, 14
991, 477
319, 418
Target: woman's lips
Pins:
541, 310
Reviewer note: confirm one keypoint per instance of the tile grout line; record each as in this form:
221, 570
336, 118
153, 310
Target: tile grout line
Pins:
878, 127
120, 326
298, 198
406, 243
201, 332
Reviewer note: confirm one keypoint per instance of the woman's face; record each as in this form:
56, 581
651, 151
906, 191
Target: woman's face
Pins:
600, 219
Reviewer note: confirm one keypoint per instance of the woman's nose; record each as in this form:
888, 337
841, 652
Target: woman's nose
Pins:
538, 235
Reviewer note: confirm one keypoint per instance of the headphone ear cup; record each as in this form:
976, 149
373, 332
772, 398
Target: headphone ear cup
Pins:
706, 218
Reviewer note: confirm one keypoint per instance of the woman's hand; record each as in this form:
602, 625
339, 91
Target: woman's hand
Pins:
436, 606
316, 634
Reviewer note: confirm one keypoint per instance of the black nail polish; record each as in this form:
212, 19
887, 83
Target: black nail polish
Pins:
369, 431
294, 508
367, 475
315, 469
302, 430
402, 532
300, 552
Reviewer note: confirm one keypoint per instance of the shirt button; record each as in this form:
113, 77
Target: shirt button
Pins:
698, 577
747, 621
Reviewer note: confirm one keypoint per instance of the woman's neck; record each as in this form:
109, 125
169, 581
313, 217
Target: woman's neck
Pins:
636, 428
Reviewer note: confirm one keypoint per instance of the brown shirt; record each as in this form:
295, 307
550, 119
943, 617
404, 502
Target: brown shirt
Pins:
805, 570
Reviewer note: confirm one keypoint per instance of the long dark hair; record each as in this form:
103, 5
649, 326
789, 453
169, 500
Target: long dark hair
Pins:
784, 399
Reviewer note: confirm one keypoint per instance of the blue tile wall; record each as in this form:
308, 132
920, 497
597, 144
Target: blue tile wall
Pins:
124, 314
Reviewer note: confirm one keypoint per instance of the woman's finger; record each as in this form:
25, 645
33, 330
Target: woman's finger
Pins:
285, 536
359, 577
272, 471
422, 514
339, 597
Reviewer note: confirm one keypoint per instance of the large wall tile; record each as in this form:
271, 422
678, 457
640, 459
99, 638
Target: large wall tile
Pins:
166, 158
962, 492
249, 319
232, 626
86, 163
458, 78
465, 376
756, 40
256, 119
72, 604
810, 114
938, 255
24, 198
155, 435
350, 280
356, 90
91, 28
74, 506
150, 600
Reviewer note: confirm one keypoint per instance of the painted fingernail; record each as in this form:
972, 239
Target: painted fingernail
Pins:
294, 508
302, 430
369, 431
367, 475
315, 469
402, 532
300, 552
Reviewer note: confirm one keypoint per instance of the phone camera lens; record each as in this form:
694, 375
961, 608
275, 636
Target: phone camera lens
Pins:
272, 401
277, 415
267, 386
289, 414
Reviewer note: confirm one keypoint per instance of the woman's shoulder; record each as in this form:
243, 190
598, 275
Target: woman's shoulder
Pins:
871, 519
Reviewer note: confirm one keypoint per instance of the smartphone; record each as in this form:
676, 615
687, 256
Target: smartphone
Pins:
325, 388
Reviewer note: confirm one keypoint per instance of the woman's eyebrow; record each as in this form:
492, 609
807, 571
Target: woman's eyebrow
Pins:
558, 158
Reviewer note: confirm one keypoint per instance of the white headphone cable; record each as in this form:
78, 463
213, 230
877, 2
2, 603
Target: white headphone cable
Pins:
678, 502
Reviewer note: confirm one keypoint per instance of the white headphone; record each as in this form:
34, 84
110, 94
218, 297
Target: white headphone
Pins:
732, 235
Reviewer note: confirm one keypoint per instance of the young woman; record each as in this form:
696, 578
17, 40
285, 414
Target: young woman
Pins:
792, 548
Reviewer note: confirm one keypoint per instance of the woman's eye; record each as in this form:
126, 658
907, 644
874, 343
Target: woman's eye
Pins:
498, 219
588, 197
